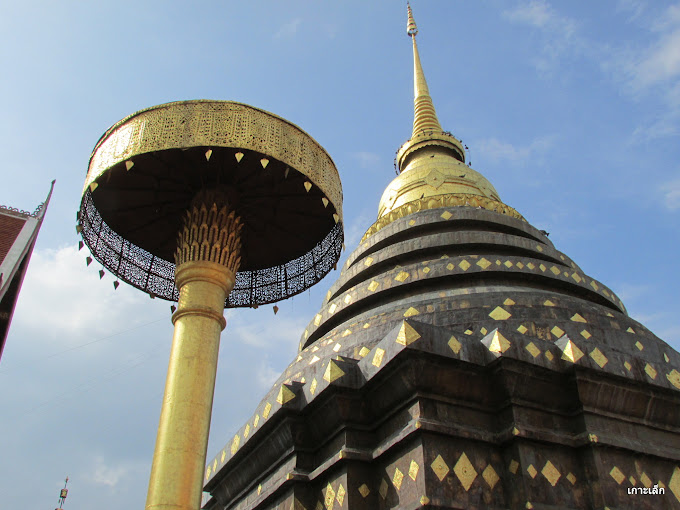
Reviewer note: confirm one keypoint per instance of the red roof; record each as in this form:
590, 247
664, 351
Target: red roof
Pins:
10, 226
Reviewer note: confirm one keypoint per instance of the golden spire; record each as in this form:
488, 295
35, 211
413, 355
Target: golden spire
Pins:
425, 118
432, 163
426, 128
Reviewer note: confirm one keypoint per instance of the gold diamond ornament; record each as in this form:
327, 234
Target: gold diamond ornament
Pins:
570, 351
455, 346
617, 475
440, 467
397, 479
490, 476
500, 314
413, 470
496, 343
551, 473
465, 471
407, 335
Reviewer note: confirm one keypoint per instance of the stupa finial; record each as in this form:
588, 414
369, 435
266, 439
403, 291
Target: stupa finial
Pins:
411, 28
425, 118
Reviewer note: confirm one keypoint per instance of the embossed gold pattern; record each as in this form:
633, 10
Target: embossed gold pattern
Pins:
490, 476
454, 344
378, 357
382, 490
500, 314
285, 395
411, 312
329, 499
650, 371
599, 358
340, 495
440, 468
617, 475
496, 343
333, 372
674, 483
533, 350
135, 246
407, 335
435, 202
570, 351
397, 478
551, 473
465, 471
210, 233
413, 470
186, 124
674, 378
483, 263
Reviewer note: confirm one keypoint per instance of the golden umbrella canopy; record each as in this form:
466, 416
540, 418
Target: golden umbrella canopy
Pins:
146, 169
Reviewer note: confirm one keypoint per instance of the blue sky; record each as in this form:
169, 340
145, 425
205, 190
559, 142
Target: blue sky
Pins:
571, 110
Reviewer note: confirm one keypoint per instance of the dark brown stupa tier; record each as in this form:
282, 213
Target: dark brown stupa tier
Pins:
460, 362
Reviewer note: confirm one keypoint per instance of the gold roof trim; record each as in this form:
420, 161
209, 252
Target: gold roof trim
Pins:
439, 201
208, 123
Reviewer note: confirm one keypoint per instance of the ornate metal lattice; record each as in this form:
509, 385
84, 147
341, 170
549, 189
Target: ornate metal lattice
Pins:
156, 275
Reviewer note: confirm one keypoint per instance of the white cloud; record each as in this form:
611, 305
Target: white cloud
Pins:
560, 33
111, 474
266, 376
631, 292
267, 330
653, 69
367, 160
62, 298
671, 193
537, 13
497, 150
635, 8
357, 228
661, 61
288, 29
661, 127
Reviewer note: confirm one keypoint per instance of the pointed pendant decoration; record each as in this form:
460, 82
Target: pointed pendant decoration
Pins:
264, 162
129, 164
276, 309
173, 308
88, 260
115, 285
239, 156
208, 153
101, 274
80, 245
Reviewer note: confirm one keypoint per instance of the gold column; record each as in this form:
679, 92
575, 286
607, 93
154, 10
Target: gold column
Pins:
207, 258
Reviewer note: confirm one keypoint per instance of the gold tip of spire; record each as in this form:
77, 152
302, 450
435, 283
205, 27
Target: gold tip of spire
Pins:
411, 28
426, 128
